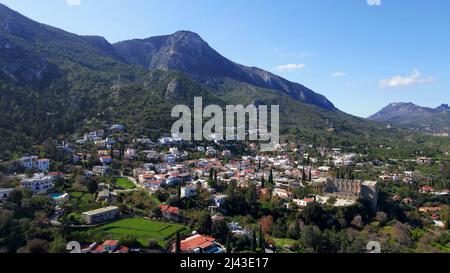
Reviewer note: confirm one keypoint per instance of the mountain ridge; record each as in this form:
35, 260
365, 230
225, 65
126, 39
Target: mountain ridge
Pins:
416, 117
181, 50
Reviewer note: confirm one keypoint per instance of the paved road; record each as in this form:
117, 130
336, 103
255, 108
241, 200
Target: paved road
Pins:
54, 220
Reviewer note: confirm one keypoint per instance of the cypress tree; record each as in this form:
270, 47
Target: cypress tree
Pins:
228, 245
178, 243
211, 174
262, 243
253, 242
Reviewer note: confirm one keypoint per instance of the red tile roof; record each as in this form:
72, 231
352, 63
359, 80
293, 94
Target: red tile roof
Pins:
99, 249
196, 241
123, 249
110, 243
169, 209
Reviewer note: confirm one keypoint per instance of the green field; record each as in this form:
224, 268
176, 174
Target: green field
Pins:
283, 244
124, 183
144, 230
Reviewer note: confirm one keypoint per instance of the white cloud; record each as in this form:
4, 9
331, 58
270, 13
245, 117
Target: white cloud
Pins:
374, 2
401, 81
339, 74
73, 2
289, 67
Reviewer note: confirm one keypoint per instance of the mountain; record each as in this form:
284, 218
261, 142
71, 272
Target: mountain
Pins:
432, 120
183, 51
55, 84
188, 52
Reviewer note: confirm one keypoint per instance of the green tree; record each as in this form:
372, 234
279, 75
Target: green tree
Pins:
178, 243
92, 186
262, 241
212, 183
58, 245
331, 201
211, 174
271, 177
228, 245
294, 230
253, 242
311, 237
251, 196
219, 230
204, 224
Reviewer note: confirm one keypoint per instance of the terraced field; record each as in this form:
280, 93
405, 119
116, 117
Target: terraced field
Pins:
144, 230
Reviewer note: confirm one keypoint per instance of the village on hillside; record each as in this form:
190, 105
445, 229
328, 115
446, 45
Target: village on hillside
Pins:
113, 193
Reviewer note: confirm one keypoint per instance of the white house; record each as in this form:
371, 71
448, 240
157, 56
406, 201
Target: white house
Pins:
188, 191
220, 200
282, 193
38, 183
130, 153
28, 161
110, 141
91, 136
169, 158
166, 140
105, 159
303, 202
117, 127
5, 193
102, 170
174, 151
43, 164
33, 162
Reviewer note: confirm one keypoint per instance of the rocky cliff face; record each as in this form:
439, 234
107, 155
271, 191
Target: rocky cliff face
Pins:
187, 52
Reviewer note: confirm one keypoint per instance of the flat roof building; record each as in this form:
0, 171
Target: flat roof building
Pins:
100, 215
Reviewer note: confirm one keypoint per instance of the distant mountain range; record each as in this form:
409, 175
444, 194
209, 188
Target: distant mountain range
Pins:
430, 120
56, 83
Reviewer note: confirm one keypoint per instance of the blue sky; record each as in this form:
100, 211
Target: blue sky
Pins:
361, 54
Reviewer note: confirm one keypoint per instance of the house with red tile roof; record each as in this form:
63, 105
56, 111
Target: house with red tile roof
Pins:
200, 244
109, 246
171, 213
427, 189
